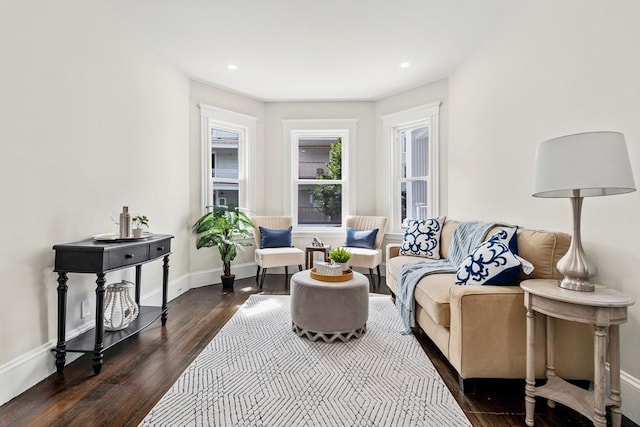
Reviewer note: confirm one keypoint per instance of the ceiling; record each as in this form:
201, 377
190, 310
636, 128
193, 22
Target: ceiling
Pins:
314, 49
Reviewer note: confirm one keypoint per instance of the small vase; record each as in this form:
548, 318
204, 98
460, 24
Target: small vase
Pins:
137, 233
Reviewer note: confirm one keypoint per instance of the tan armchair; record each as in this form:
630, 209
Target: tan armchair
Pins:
280, 256
368, 258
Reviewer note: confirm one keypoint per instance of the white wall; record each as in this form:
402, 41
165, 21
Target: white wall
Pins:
554, 68
91, 120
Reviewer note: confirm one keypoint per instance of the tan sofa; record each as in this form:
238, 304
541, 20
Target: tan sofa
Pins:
481, 330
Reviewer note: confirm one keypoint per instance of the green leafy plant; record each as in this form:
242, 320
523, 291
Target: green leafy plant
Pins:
218, 227
140, 221
339, 255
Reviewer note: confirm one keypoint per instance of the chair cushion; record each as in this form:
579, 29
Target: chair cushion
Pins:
365, 258
271, 238
278, 257
361, 238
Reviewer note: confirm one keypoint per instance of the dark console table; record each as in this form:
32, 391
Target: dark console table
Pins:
99, 257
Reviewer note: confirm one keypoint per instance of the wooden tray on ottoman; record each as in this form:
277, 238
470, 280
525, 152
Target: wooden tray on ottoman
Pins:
346, 275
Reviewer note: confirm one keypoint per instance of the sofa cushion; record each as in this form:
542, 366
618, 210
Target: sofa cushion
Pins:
432, 294
422, 238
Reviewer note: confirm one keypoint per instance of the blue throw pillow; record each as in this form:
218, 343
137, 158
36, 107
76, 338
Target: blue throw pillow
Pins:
361, 238
422, 238
275, 238
492, 263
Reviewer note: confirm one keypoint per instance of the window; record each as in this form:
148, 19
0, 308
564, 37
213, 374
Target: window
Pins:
318, 192
412, 181
227, 163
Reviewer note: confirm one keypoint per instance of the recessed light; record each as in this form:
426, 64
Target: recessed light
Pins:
405, 65
232, 67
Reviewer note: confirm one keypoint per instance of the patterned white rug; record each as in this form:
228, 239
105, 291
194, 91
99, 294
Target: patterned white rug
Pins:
258, 372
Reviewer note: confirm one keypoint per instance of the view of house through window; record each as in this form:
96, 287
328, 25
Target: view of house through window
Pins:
412, 181
319, 183
224, 167
414, 143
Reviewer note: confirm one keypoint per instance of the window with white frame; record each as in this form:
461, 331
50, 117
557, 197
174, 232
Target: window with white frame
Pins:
318, 194
227, 162
412, 174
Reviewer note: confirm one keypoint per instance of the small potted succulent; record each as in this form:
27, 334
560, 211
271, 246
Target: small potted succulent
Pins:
340, 256
138, 222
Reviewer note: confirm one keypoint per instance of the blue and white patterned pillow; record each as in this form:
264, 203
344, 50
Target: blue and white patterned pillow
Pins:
493, 263
507, 236
422, 238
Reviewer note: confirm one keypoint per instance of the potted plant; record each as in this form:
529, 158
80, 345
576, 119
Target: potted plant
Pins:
340, 256
218, 227
138, 222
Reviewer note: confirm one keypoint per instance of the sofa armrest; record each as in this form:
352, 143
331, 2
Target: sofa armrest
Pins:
393, 250
487, 331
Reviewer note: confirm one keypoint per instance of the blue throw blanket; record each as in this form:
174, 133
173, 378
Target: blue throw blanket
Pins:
466, 237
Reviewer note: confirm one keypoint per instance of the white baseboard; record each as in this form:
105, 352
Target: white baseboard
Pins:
630, 390
25, 371
29, 369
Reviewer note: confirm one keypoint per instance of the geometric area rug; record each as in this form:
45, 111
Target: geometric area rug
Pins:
257, 372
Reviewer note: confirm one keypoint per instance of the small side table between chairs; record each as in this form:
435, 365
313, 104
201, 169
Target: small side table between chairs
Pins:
310, 250
606, 310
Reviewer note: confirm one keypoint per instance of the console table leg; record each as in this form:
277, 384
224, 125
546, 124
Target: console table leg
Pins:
138, 283
61, 352
600, 347
530, 397
165, 283
99, 345
614, 367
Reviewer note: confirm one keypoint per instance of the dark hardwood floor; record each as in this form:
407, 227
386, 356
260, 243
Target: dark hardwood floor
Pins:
138, 371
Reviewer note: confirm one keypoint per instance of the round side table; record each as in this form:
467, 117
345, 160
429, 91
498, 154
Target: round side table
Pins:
606, 310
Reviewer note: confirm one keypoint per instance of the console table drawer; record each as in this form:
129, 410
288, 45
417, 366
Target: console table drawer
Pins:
127, 256
160, 248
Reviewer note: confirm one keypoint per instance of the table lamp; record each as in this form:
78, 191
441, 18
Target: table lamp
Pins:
578, 166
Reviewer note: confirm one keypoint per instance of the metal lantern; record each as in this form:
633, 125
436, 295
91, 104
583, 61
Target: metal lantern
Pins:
119, 308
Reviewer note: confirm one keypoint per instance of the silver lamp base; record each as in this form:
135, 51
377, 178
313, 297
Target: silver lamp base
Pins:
574, 266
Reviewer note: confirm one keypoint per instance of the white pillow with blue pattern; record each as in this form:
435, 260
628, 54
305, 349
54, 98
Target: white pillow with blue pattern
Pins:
494, 262
422, 238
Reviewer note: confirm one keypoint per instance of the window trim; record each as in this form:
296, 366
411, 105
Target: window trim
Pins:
293, 129
246, 126
427, 115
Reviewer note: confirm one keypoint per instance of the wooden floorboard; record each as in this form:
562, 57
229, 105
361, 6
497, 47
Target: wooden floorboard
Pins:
138, 371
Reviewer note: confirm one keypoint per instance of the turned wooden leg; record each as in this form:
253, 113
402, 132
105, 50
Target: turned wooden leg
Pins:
614, 367
530, 397
98, 347
551, 353
599, 350
61, 352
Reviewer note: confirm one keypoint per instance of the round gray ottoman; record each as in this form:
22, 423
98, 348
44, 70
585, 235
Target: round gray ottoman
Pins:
329, 310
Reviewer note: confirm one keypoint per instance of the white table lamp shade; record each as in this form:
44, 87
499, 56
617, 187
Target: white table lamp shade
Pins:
595, 163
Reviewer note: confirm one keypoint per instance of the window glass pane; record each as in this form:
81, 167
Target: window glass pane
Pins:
319, 158
413, 204
415, 152
225, 195
224, 157
320, 205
